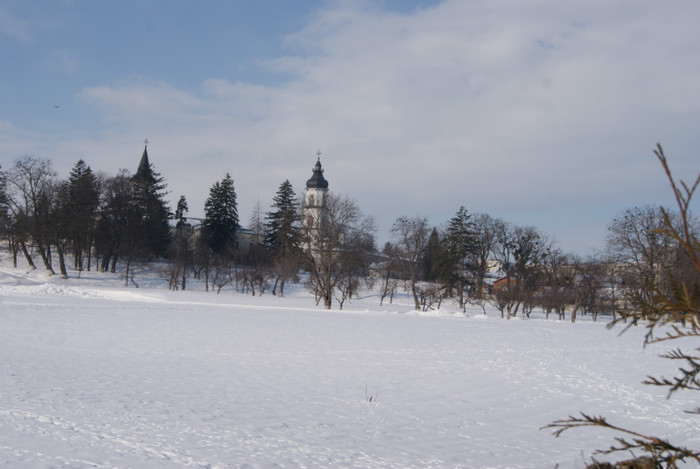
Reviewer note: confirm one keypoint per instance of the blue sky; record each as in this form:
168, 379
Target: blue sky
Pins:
542, 113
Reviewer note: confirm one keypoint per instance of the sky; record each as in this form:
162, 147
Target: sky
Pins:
542, 113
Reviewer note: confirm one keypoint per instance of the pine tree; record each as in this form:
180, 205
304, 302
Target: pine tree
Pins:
256, 225
283, 233
221, 218
181, 210
83, 200
460, 244
181, 253
433, 258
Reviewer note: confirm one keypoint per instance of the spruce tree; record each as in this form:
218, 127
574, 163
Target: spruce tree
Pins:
83, 199
282, 234
221, 218
180, 254
460, 244
433, 258
181, 210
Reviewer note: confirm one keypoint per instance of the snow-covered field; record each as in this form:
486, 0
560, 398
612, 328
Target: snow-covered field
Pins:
94, 374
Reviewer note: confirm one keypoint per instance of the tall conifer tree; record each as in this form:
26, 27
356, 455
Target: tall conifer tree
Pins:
460, 244
221, 218
282, 234
83, 200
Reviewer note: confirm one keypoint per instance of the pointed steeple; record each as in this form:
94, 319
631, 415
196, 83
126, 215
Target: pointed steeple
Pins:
144, 171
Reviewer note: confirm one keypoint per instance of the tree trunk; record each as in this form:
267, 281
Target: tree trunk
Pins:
89, 255
416, 302
27, 256
45, 259
13, 247
61, 261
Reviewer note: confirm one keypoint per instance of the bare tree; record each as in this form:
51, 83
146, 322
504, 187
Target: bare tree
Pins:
181, 255
635, 242
589, 278
411, 236
333, 244
390, 272
556, 283
114, 227
484, 244
29, 184
519, 250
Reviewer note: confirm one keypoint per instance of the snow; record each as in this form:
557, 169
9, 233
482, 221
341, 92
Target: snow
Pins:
95, 374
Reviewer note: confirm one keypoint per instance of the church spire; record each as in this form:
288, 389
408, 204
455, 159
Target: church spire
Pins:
317, 180
144, 173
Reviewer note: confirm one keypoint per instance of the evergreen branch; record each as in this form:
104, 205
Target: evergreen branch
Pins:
689, 377
660, 449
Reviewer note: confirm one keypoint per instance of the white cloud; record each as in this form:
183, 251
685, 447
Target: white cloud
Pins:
14, 27
526, 111
62, 61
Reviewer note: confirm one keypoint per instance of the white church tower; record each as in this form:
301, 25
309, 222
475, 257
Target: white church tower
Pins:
315, 200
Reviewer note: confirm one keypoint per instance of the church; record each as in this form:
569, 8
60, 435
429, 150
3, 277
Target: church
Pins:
315, 199
313, 210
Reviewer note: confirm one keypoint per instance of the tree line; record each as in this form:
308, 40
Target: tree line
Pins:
649, 272
477, 259
97, 221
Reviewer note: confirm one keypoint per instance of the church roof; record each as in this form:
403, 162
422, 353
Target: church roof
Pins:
144, 171
317, 180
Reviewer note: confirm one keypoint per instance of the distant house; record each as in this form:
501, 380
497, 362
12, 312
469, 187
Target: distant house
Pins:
504, 283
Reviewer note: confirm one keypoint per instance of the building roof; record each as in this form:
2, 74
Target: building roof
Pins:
317, 180
144, 170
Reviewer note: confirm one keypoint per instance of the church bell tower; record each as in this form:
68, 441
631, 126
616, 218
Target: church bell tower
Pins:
315, 199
